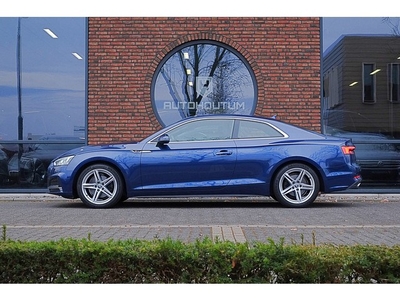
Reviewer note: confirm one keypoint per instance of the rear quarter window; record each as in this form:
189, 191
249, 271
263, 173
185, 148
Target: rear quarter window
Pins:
251, 129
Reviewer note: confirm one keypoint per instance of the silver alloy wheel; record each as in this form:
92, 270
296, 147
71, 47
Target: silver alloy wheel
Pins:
297, 185
99, 186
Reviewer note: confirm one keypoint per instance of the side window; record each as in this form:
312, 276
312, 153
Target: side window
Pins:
251, 129
369, 72
394, 82
202, 130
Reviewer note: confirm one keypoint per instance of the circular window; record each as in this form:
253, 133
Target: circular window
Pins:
202, 77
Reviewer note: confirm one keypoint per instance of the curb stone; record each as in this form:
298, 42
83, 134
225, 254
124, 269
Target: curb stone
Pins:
322, 197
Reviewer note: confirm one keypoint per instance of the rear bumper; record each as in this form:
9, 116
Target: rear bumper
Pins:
357, 182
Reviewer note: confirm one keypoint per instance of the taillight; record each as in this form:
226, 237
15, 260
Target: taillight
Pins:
348, 149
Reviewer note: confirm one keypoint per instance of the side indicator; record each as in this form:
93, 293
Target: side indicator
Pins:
348, 149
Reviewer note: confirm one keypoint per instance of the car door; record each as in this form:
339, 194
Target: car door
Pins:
200, 157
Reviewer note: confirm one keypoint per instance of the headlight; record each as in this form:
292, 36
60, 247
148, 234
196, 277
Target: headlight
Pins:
63, 161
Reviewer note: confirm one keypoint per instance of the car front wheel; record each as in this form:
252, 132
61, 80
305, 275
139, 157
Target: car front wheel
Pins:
100, 186
296, 185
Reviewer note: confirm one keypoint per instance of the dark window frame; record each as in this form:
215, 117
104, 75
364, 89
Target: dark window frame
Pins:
394, 82
369, 83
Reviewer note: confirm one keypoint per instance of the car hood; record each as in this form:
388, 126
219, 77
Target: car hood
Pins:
95, 148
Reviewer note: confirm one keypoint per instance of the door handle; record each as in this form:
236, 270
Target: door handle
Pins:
224, 152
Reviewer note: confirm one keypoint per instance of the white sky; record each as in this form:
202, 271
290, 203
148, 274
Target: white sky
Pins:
333, 28
79, 8
372, 12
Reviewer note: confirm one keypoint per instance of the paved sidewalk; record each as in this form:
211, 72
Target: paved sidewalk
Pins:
316, 235
308, 234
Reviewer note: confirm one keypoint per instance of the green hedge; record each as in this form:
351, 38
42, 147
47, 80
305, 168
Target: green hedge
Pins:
203, 261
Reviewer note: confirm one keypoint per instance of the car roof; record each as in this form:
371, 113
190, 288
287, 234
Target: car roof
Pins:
287, 127
227, 116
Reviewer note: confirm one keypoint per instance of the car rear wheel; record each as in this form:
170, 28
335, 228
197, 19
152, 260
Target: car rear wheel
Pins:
100, 186
296, 185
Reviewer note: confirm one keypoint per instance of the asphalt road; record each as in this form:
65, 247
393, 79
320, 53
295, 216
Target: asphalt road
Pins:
338, 219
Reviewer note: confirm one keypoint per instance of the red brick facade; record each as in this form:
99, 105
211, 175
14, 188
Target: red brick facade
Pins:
284, 54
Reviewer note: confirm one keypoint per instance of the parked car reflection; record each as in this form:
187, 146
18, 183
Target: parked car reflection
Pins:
32, 166
377, 148
377, 154
7, 153
379, 162
3, 166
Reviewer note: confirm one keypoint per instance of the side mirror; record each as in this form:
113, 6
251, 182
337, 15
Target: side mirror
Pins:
162, 140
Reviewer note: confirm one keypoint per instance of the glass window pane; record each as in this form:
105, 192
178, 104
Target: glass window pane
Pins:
361, 84
48, 56
394, 82
42, 95
249, 129
202, 78
368, 83
202, 130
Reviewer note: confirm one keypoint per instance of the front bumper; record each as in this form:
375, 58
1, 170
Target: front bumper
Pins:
59, 183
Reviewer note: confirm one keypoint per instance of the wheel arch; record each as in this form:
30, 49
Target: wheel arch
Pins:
293, 160
86, 164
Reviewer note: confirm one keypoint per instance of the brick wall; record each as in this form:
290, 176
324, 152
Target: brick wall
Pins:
284, 54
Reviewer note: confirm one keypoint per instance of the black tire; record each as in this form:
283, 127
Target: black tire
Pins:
296, 185
100, 186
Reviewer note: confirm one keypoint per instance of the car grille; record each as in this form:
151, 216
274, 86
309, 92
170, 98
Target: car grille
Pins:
53, 181
380, 164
